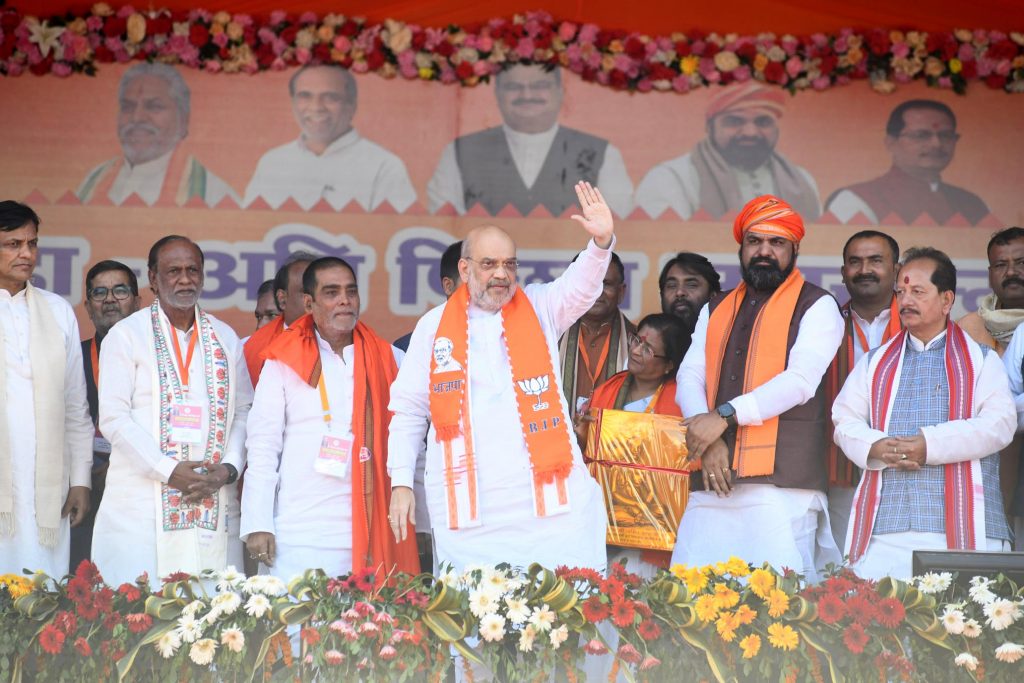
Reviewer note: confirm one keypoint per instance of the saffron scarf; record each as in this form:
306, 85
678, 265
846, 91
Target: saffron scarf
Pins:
373, 545
256, 346
965, 502
542, 418
184, 179
840, 468
754, 454
48, 358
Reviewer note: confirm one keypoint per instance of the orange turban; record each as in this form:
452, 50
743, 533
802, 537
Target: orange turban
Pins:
747, 97
768, 215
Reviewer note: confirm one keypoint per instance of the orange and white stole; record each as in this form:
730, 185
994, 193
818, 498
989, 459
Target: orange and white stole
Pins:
965, 497
542, 417
178, 187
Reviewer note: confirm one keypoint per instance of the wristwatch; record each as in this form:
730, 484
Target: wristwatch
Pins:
727, 413
232, 474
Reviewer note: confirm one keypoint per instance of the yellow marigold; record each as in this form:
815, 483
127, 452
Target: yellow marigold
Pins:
737, 567
783, 636
16, 585
616, 46
778, 602
696, 580
688, 65
726, 626
760, 61
762, 581
751, 645
679, 571
955, 65
706, 609
745, 615
720, 569
725, 597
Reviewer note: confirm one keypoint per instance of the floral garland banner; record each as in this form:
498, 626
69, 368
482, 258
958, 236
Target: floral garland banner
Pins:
469, 55
725, 622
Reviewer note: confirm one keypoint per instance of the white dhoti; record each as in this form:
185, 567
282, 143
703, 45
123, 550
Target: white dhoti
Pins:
840, 502
892, 554
758, 523
294, 560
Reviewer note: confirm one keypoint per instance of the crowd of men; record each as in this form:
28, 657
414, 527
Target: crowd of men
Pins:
529, 161
817, 431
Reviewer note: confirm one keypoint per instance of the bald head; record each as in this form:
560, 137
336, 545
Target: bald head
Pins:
488, 267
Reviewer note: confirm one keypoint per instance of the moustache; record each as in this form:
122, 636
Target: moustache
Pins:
1012, 281
908, 309
528, 100
130, 128
764, 261
866, 278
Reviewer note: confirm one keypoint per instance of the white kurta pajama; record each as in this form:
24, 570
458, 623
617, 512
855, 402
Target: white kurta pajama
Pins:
128, 525
787, 527
509, 530
309, 513
24, 550
986, 432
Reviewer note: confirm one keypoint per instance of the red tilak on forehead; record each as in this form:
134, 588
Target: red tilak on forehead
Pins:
906, 279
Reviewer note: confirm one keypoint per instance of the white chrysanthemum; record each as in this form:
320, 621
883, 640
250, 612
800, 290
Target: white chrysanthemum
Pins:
492, 627
953, 621
168, 644
202, 651
559, 635
967, 661
193, 607
495, 582
189, 628
542, 618
481, 602
257, 605
980, 592
1010, 653
933, 582
972, 629
229, 579
226, 603
1001, 614
233, 639
526, 638
274, 586
518, 610
450, 579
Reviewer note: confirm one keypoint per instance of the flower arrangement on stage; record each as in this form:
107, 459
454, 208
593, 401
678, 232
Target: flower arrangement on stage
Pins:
224, 42
726, 622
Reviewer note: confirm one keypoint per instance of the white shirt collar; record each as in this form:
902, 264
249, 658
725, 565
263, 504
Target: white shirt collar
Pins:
152, 168
919, 345
347, 140
4, 294
516, 138
325, 348
882, 317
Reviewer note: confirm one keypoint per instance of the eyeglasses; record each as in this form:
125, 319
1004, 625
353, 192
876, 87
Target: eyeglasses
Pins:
488, 264
120, 292
645, 349
944, 136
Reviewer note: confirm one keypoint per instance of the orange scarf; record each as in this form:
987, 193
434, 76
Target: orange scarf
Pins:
257, 345
175, 187
607, 396
541, 414
373, 544
754, 455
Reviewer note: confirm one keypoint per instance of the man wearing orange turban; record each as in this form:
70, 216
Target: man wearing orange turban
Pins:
752, 384
734, 163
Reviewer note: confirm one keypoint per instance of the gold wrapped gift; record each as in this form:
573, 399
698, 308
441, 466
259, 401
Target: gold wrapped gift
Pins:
639, 459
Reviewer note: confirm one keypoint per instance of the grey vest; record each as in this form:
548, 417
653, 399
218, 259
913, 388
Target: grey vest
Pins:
490, 177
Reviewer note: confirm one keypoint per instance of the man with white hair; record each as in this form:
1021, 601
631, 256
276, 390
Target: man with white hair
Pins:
152, 120
505, 480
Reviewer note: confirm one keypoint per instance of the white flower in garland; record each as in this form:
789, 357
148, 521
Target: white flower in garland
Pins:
168, 644
559, 636
527, 637
972, 629
934, 583
1001, 614
229, 579
202, 651
953, 621
518, 610
481, 603
1010, 653
274, 586
224, 604
980, 592
193, 607
967, 661
189, 628
492, 627
542, 618
233, 639
257, 605
495, 582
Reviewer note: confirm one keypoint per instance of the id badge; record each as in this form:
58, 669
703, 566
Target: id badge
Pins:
186, 423
333, 457
101, 445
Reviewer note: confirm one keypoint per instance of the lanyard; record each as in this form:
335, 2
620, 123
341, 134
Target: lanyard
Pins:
654, 399
324, 403
601, 359
183, 367
861, 337
94, 355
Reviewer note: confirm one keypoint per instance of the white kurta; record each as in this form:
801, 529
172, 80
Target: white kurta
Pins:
24, 550
760, 522
509, 531
309, 513
675, 185
147, 181
125, 533
351, 168
529, 151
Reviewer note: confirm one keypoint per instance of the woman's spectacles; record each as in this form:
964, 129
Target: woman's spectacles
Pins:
646, 350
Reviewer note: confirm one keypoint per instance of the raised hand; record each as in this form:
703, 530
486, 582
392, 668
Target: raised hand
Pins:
597, 217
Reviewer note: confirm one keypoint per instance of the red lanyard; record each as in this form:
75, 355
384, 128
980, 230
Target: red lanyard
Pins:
183, 367
94, 354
